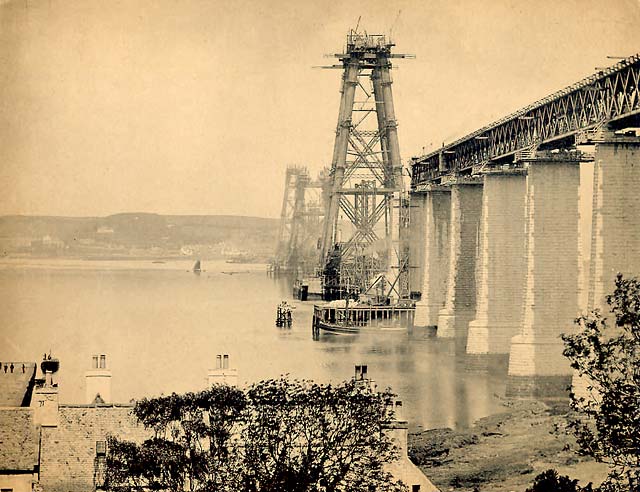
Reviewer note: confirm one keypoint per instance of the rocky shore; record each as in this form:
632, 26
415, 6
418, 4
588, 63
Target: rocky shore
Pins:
503, 452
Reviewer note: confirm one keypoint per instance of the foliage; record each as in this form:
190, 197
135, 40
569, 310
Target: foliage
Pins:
608, 358
278, 435
192, 443
550, 481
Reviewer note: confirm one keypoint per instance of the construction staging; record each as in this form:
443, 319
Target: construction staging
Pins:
515, 229
363, 245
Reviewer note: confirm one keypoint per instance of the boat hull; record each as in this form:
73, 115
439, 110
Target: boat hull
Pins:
354, 330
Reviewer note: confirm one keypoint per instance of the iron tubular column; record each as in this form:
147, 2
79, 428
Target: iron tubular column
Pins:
394, 176
349, 83
392, 126
382, 118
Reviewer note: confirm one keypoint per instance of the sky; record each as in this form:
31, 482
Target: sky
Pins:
197, 107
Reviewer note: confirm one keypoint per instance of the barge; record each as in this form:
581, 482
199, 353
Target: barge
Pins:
342, 318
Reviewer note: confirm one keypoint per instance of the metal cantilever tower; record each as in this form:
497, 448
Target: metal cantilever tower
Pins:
360, 242
300, 221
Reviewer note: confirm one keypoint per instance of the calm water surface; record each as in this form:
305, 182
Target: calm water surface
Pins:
161, 327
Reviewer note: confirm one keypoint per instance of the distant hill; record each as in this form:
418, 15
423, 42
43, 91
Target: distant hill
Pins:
139, 235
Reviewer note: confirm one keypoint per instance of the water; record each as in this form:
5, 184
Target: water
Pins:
161, 327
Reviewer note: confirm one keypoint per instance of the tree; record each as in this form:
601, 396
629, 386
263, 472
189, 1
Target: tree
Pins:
551, 481
278, 435
191, 448
609, 360
303, 436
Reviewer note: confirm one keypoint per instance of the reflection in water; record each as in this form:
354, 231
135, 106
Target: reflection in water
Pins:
162, 328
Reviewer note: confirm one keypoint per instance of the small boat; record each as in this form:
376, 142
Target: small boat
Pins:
197, 268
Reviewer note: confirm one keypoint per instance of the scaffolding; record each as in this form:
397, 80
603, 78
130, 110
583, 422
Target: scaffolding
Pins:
365, 209
300, 223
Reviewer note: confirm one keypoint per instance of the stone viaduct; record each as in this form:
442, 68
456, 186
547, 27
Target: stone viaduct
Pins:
522, 225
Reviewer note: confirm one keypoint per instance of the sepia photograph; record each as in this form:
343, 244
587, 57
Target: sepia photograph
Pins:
319, 246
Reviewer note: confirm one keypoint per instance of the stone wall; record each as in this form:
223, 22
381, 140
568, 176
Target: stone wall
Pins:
68, 451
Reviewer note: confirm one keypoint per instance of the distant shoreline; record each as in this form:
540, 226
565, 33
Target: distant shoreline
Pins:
132, 214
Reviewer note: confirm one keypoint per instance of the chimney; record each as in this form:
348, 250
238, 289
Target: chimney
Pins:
361, 372
397, 411
222, 374
98, 381
45, 397
362, 378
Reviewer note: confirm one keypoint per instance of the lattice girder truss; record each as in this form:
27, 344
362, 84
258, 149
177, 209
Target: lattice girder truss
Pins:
570, 114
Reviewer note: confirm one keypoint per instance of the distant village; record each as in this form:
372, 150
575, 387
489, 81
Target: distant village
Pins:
143, 236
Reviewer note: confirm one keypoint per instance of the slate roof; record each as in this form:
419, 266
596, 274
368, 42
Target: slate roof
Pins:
16, 385
18, 440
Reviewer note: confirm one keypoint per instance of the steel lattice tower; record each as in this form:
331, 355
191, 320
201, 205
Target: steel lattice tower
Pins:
300, 221
361, 235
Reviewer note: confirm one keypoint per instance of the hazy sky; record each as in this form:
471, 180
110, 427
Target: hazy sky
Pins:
197, 107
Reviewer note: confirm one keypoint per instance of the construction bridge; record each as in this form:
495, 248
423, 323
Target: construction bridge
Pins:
566, 118
522, 225
514, 230
361, 244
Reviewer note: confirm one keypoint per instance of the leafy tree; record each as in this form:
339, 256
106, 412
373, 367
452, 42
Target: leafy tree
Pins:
192, 447
303, 436
550, 481
609, 359
278, 435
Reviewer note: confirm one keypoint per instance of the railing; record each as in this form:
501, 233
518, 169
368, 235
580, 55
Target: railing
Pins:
365, 315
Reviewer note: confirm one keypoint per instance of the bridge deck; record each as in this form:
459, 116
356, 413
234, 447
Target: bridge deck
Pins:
570, 114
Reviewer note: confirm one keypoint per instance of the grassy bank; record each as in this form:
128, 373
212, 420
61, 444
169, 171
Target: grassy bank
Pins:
503, 452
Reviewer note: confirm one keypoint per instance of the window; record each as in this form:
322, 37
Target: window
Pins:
415, 488
99, 464
101, 448
103, 361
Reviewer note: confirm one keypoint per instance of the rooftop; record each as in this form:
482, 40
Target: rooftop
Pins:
16, 383
18, 440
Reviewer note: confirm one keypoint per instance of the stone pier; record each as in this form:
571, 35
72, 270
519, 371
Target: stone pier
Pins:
536, 364
436, 213
500, 273
615, 243
615, 224
460, 302
416, 236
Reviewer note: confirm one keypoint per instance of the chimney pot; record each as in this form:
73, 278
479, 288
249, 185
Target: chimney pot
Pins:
222, 374
98, 381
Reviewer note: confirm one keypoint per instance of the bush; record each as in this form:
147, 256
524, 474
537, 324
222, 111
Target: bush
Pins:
608, 358
550, 481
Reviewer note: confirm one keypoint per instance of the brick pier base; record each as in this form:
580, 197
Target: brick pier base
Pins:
460, 304
500, 274
536, 363
436, 213
615, 222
